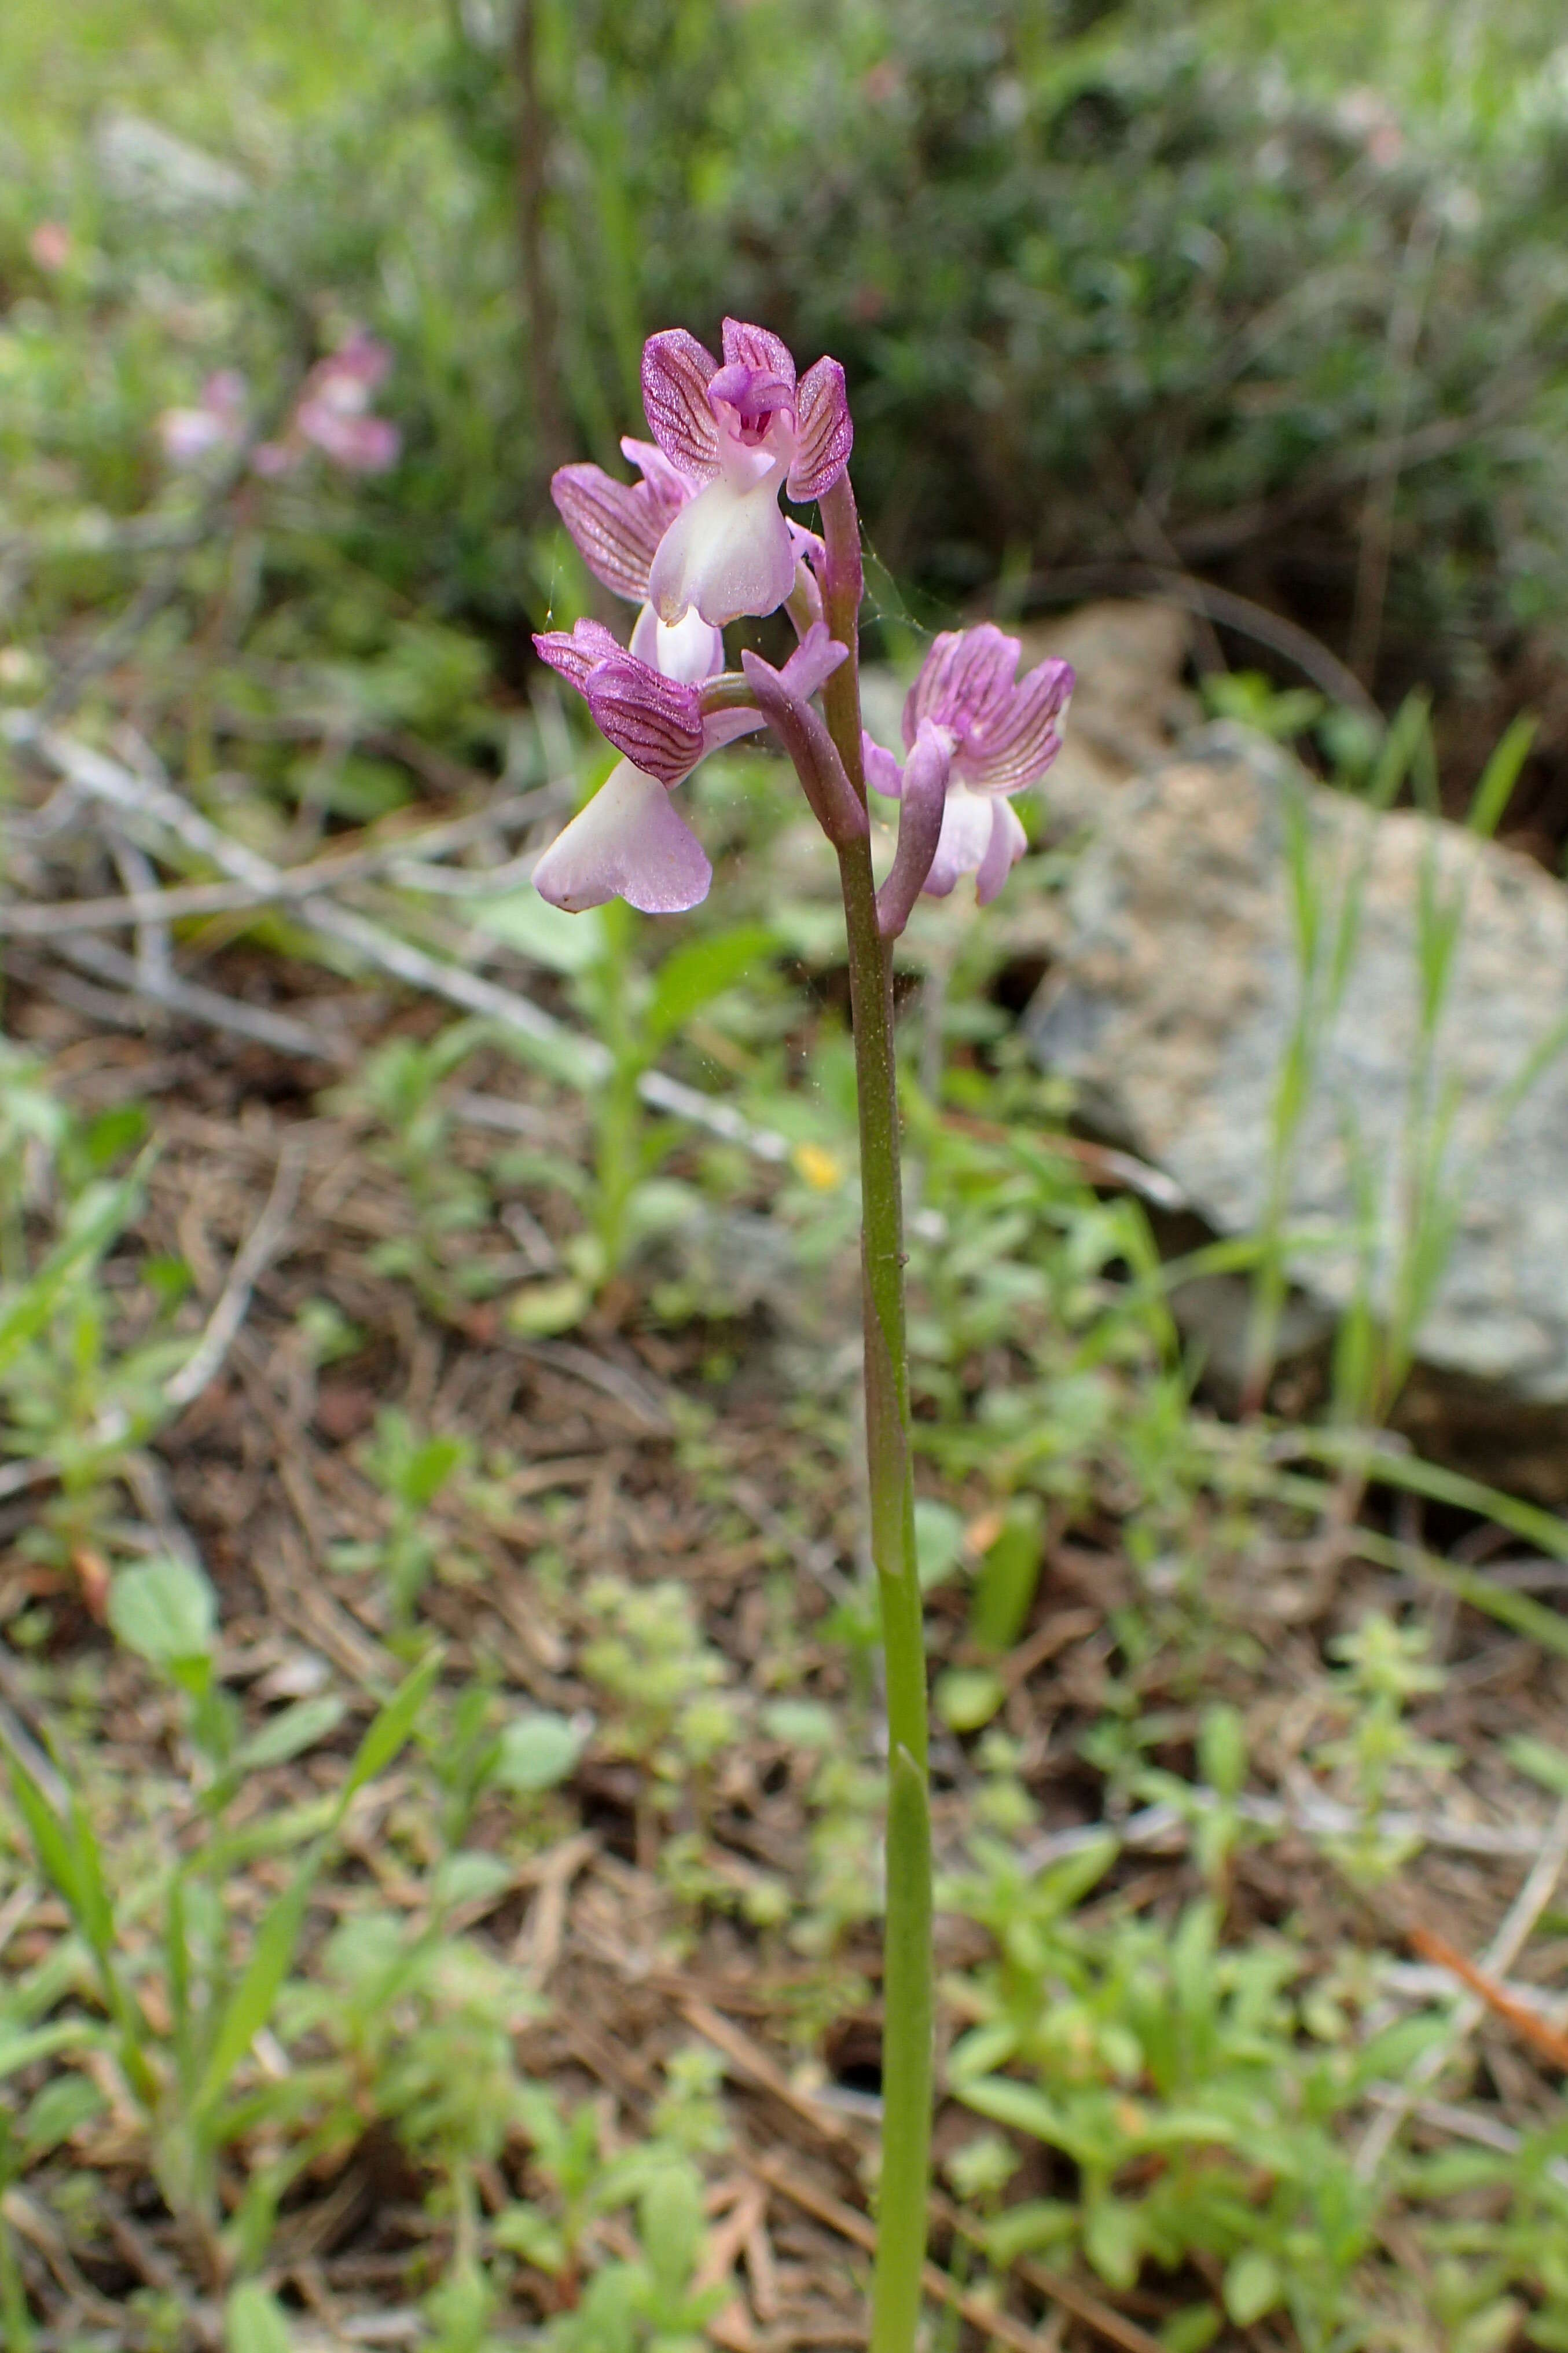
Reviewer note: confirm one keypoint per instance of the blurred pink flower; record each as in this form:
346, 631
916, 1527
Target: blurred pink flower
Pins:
218, 422
50, 244
333, 415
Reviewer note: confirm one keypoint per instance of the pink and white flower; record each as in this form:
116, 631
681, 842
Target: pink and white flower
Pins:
629, 842
736, 433
617, 527
970, 721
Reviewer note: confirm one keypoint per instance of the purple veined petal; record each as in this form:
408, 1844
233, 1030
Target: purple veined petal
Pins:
629, 843
575, 655
656, 721
1007, 844
814, 661
825, 432
727, 553
757, 347
964, 682
616, 526
666, 485
883, 773
1021, 742
676, 372
966, 822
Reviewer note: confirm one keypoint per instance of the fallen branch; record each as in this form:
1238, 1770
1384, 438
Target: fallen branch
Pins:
577, 1059
250, 1262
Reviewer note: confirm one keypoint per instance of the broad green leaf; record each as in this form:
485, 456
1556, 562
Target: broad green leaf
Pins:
165, 1611
699, 970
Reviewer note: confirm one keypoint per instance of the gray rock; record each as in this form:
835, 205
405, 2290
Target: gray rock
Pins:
1173, 1003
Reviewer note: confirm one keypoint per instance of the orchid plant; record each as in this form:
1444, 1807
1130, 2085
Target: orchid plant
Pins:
697, 541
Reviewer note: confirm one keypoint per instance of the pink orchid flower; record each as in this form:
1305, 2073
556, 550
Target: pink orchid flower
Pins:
617, 527
629, 842
218, 422
979, 733
333, 415
736, 433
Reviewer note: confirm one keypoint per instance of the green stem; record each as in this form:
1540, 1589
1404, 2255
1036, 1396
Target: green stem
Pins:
906, 2005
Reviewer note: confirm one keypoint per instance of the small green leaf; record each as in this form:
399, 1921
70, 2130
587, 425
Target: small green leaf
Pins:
540, 1310
525, 2230
538, 1750
546, 936
251, 2005
50, 1844
289, 1733
968, 1697
254, 2321
58, 2110
1009, 1577
939, 1541
165, 1611
672, 2225
1252, 2286
800, 1723
1113, 2240
390, 1729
